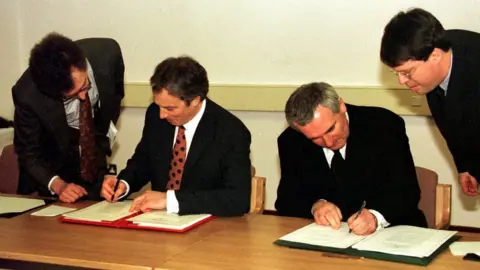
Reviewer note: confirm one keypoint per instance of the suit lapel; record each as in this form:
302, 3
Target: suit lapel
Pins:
202, 138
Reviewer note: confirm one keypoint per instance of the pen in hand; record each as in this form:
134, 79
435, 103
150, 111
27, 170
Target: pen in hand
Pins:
115, 189
358, 213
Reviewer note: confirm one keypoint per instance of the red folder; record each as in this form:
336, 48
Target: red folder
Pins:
124, 223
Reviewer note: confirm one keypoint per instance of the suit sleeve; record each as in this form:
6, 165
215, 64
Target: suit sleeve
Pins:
28, 143
397, 193
232, 198
292, 199
137, 173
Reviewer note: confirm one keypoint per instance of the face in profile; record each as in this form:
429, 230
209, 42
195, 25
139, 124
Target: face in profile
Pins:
328, 129
421, 76
174, 109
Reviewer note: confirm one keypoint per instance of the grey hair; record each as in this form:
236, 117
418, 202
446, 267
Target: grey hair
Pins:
302, 103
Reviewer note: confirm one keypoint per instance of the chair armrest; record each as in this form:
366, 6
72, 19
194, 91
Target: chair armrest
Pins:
443, 204
257, 199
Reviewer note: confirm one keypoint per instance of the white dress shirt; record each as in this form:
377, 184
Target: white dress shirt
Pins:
190, 128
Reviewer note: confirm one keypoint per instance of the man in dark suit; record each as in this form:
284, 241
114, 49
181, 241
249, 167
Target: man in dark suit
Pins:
335, 156
194, 152
444, 65
66, 103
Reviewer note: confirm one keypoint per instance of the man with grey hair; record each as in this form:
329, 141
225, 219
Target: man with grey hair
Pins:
324, 179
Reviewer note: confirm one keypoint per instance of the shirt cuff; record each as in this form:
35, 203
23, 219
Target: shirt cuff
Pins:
50, 184
172, 202
381, 221
127, 190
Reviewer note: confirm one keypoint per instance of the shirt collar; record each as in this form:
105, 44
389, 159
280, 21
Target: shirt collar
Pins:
193, 123
444, 84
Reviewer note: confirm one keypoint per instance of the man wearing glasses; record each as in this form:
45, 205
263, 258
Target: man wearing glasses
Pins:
444, 65
66, 106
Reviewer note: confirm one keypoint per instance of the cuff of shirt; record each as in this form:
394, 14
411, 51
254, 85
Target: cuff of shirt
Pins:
381, 221
50, 184
127, 190
172, 202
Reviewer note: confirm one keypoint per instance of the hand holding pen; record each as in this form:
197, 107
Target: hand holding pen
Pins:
363, 222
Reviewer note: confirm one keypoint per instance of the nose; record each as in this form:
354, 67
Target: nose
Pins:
402, 79
163, 114
328, 140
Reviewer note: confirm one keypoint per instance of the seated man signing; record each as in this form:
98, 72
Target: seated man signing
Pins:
194, 152
334, 156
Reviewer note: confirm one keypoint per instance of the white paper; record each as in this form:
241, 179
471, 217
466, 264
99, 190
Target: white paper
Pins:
102, 211
18, 205
406, 240
462, 248
319, 235
161, 219
53, 210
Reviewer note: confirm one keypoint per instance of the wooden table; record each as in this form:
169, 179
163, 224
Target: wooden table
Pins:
222, 243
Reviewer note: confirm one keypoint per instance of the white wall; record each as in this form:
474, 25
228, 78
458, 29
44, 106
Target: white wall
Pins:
250, 42
9, 55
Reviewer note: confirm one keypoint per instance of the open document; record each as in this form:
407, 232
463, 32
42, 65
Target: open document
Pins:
18, 205
407, 244
117, 215
102, 211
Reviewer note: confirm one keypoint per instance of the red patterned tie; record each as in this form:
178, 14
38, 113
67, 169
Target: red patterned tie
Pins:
179, 156
87, 141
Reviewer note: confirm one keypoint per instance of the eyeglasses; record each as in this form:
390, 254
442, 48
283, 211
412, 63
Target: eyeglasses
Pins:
87, 86
407, 74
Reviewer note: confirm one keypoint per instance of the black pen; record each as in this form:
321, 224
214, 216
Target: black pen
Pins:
358, 213
115, 190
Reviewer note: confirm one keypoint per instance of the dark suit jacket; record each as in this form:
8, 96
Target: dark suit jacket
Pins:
42, 135
216, 178
379, 169
458, 116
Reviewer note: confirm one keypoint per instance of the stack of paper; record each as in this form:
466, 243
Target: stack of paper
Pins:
18, 205
462, 248
160, 219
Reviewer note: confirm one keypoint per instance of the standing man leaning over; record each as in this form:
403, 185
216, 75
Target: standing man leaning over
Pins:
335, 156
194, 152
65, 104
444, 65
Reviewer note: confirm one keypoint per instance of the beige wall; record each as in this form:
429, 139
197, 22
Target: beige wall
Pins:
9, 51
243, 42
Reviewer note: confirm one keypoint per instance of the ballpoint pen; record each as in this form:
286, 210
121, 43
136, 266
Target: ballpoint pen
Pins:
115, 189
358, 213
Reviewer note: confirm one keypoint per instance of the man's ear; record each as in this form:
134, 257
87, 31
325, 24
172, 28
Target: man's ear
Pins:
436, 55
343, 107
195, 101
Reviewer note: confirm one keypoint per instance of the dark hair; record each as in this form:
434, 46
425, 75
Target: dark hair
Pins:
182, 77
412, 35
51, 61
302, 104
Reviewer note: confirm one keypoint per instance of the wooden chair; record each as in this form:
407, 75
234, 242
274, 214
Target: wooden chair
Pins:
435, 200
257, 195
8, 170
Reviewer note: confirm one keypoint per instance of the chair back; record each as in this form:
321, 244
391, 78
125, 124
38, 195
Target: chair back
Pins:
433, 200
8, 170
257, 195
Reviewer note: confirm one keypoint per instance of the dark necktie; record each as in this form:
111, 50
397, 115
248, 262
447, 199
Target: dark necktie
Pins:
337, 166
179, 156
88, 167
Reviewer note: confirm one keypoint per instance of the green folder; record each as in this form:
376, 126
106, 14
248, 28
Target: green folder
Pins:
371, 254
